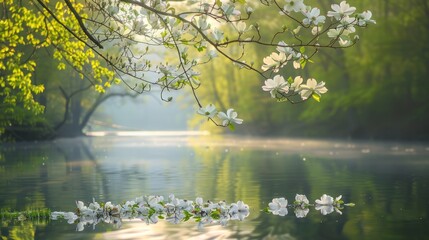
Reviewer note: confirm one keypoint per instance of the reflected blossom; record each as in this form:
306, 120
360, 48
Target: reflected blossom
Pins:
278, 206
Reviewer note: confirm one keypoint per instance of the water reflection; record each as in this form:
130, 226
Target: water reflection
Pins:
387, 181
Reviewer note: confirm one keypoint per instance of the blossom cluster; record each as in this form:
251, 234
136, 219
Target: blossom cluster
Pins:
326, 205
343, 24
280, 88
227, 119
199, 31
152, 208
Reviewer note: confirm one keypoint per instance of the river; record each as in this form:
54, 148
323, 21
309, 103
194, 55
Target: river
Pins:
387, 181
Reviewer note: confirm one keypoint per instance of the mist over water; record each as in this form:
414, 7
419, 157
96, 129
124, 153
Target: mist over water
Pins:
147, 112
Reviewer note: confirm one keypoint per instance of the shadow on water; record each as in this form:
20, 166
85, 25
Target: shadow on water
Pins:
387, 181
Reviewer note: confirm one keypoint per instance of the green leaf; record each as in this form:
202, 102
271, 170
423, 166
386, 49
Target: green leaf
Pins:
349, 204
187, 216
201, 48
303, 62
231, 126
215, 215
163, 34
302, 49
316, 97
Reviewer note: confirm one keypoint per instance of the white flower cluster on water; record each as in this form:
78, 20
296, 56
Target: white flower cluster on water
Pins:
326, 205
152, 208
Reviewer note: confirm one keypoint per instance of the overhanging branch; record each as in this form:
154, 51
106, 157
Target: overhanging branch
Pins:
81, 24
68, 29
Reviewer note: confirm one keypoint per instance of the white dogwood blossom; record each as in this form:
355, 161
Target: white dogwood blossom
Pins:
296, 85
241, 27
313, 17
229, 117
151, 209
301, 206
301, 199
208, 111
282, 47
217, 35
275, 61
316, 30
348, 24
294, 5
312, 87
365, 18
277, 84
341, 10
278, 206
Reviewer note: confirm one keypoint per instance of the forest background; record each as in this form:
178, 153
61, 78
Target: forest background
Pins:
377, 88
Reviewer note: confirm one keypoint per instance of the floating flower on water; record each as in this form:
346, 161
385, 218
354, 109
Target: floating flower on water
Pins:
325, 200
338, 200
301, 206
325, 209
301, 200
301, 212
199, 201
278, 206
239, 211
152, 208
69, 216
111, 209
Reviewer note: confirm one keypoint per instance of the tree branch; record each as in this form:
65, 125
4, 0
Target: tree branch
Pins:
100, 100
81, 24
66, 110
64, 26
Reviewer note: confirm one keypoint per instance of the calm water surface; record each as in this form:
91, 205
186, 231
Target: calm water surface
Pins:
389, 182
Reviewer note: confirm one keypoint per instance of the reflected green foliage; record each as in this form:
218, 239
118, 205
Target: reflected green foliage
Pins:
25, 231
377, 89
31, 215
